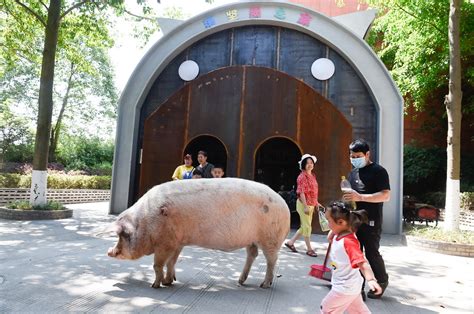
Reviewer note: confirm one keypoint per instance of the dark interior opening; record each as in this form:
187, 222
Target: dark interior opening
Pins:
276, 165
216, 153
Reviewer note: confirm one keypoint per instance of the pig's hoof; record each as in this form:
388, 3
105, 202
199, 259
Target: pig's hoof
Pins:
265, 285
167, 282
242, 278
156, 285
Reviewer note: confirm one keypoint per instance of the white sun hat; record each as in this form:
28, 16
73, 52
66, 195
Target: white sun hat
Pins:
307, 156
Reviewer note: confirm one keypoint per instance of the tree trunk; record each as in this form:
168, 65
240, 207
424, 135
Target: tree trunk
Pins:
45, 106
57, 127
453, 109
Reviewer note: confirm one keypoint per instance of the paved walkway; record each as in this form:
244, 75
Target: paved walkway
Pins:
61, 266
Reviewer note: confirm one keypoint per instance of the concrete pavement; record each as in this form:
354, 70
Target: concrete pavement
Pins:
61, 266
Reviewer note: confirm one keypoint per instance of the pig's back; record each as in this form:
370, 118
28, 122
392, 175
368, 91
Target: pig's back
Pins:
226, 213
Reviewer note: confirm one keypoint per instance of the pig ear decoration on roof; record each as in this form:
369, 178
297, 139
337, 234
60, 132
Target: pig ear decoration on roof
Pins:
307, 156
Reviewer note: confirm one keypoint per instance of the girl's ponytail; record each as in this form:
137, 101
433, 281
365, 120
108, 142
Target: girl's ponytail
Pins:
357, 218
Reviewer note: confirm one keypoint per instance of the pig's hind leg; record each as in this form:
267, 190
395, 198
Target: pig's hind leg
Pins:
252, 252
170, 272
271, 255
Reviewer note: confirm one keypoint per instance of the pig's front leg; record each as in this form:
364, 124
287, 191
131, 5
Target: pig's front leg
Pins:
160, 259
170, 273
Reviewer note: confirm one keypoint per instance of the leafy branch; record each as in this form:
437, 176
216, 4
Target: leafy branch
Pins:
77, 5
31, 11
140, 17
419, 18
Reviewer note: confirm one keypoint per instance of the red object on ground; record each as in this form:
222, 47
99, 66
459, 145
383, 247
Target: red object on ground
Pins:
318, 271
428, 212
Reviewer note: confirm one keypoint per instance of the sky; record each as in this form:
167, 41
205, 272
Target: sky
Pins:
126, 53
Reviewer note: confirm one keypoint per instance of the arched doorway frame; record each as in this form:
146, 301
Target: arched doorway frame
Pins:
266, 141
209, 135
257, 147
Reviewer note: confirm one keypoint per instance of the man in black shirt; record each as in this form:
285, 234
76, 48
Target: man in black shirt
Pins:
371, 188
204, 167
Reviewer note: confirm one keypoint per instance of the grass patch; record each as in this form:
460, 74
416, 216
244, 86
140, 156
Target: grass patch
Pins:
438, 234
25, 205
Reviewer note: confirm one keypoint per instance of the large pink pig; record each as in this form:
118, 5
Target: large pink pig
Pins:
223, 214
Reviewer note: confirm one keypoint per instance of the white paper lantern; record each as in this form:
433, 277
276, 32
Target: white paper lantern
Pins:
322, 69
188, 70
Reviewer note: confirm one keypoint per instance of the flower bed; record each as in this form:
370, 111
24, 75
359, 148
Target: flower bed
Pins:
20, 214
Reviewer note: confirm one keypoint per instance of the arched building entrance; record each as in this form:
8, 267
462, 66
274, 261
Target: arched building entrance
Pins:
216, 152
159, 113
276, 163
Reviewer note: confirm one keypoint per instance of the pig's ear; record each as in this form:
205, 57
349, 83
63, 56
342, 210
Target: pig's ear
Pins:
164, 210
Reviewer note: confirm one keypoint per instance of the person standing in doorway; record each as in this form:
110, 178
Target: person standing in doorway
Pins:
370, 189
204, 167
307, 193
184, 171
218, 171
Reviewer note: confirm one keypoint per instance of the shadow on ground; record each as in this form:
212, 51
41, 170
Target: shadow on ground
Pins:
56, 266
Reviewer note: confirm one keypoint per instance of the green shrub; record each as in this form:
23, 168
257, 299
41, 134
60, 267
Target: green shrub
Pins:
467, 173
438, 234
25, 205
81, 153
103, 169
57, 181
437, 199
19, 205
10, 180
467, 200
424, 170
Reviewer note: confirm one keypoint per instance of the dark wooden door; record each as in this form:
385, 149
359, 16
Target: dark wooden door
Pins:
244, 106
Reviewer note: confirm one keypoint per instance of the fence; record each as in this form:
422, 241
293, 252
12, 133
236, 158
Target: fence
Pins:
466, 219
65, 196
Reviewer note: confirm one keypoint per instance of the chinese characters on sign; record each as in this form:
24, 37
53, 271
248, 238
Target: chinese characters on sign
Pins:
280, 14
232, 15
305, 19
209, 22
256, 12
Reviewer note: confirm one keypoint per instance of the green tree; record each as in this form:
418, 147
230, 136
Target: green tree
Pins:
16, 137
53, 22
453, 109
425, 44
411, 38
58, 22
83, 87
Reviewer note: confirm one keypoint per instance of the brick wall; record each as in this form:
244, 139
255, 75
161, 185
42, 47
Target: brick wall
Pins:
65, 196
